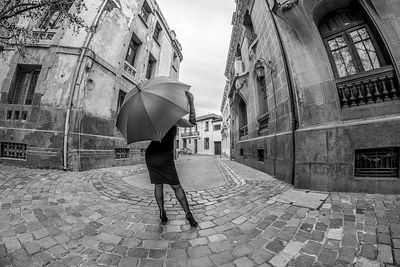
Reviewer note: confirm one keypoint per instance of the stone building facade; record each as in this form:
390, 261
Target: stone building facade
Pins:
314, 92
225, 128
60, 98
204, 138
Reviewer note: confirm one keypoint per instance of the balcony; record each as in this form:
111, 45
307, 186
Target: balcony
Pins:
368, 88
44, 36
190, 134
129, 70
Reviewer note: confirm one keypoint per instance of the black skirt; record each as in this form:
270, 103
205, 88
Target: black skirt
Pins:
160, 160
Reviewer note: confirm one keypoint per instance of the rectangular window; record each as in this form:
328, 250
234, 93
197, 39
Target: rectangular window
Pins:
157, 32
377, 162
207, 126
177, 143
133, 49
217, 127
151, 67
13, 150
24, 84
121, 152
184, 143
241, 152
206, 143
145, 11
341, 55
260, 155
121, 98
54, 14
365, 49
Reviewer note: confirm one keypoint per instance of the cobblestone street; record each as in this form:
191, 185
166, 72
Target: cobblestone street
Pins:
99, 218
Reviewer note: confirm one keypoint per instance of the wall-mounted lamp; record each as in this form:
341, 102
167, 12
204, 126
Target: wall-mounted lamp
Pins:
260, 70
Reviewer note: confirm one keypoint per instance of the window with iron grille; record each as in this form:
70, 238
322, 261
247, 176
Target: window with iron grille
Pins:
150, 67
121, 98
24, 84
206, 143
217, 127
122, 152
55, 14
157, 31
13, 150
377, 162
145, 12
133, 49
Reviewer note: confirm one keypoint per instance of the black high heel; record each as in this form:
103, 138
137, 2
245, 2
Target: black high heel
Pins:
192, 221
163, 218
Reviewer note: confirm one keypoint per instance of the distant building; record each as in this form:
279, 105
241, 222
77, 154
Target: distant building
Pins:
59, 101
314, 92
204, 139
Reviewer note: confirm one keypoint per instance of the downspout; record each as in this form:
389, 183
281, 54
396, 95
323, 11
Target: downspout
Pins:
74, 83
291, 92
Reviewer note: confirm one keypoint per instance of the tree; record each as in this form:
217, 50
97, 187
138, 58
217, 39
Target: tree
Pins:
21, 19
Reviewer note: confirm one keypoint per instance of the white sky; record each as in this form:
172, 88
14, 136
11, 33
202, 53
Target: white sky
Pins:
203, 27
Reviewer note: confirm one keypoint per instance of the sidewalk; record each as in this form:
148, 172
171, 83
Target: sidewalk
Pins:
96, 218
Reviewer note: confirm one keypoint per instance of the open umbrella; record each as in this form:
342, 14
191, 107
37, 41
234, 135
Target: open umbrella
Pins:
150, 110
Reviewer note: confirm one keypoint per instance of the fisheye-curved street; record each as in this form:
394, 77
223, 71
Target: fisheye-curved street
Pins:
105, 217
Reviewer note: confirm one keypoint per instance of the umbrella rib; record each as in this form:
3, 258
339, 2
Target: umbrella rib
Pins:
151, 122
165, 99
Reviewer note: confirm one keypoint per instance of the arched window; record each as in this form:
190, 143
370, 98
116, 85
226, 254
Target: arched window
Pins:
350, 42
361, 64
243, 130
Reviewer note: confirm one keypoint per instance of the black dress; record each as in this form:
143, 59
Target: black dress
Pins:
160, 160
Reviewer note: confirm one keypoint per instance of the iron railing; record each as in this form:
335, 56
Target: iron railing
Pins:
378, 162
13, 150
368, 88
243, 131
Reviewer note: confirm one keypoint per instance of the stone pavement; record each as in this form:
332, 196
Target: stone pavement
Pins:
94, 218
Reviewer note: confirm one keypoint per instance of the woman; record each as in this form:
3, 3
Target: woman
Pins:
160, 163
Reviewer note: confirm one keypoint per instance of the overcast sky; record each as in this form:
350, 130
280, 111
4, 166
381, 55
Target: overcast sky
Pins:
203, 27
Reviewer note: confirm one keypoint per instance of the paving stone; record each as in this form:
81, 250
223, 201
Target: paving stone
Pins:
280, 260
128, 262
222, 257
108, 238
244, 262
199, 251
369, 251
200, 262
385, 253
303, 260
276, 245
347, 254
109, 259
312, 248
327, 256
151, 263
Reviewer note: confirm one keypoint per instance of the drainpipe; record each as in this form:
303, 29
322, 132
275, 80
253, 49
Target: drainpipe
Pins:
74, 83
291, 90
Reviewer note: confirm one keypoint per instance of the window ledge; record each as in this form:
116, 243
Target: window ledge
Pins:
144, 22
157, 42
377, 178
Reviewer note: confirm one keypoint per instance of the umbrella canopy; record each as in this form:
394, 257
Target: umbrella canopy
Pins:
150, 110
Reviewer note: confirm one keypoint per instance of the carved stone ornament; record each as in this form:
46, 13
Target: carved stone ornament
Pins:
281, 7
240, 81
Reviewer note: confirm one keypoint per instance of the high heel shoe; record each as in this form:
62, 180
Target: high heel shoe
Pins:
163, 218
192, 221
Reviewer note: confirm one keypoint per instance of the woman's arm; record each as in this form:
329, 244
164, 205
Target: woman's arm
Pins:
192, 114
